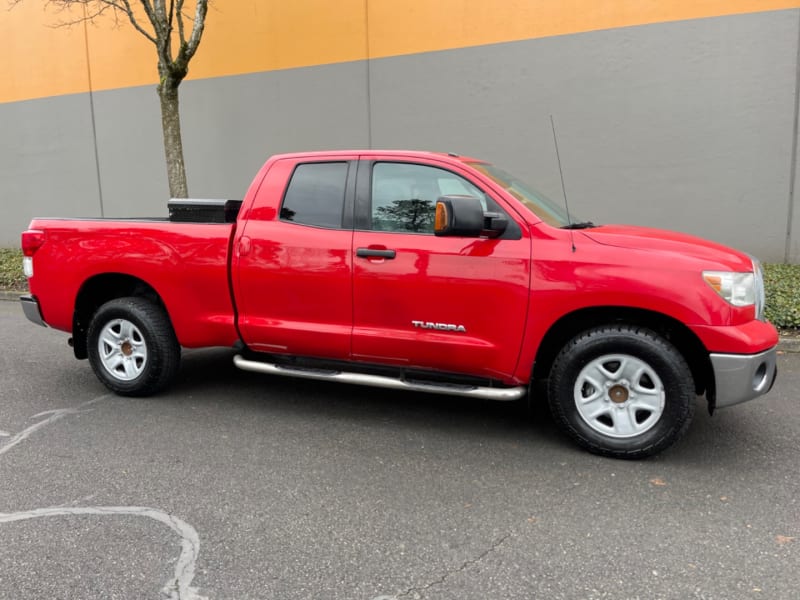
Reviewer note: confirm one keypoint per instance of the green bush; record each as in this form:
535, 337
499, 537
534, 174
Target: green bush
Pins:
11, 277
782, 287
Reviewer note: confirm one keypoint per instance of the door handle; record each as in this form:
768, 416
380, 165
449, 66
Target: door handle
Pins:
375, 253
244, 246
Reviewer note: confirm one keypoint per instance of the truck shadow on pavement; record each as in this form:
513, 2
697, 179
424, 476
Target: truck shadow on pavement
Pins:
210, 376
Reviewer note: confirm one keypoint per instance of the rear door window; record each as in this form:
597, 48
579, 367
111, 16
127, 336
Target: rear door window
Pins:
315, 195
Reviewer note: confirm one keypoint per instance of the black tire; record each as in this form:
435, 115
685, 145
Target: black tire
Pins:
138, 334
616, 412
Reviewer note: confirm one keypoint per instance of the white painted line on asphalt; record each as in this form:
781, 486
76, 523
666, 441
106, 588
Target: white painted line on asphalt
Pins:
177, 588
52, 417
79, 501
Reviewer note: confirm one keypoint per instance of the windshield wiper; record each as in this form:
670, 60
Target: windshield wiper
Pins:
581, 225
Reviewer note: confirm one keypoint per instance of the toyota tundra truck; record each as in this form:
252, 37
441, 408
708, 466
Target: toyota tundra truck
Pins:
416, 271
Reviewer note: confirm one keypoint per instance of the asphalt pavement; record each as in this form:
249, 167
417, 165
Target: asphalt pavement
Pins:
237, 486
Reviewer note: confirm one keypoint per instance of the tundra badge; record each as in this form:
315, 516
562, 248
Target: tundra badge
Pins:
439, 326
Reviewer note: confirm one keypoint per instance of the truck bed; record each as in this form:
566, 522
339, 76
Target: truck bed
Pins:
187, 261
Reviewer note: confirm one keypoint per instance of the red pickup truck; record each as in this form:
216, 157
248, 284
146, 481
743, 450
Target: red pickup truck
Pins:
418, 271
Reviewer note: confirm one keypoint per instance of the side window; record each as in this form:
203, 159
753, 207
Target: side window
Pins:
404, 195
315, 195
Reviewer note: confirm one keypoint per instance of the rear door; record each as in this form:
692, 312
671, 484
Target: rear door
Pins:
444, 303
293, 260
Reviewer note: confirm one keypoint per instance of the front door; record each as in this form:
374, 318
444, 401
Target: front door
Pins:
444, 303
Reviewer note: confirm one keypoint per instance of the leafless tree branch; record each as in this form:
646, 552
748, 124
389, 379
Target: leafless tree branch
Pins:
161, 15
197, 28
179, 16
132, 18
170, 14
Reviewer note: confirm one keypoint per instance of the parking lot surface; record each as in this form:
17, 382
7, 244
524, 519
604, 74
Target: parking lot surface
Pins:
238, 486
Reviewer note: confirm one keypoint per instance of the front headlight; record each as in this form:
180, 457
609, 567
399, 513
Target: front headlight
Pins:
738, 289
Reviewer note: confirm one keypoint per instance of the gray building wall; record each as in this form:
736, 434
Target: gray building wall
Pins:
687, 125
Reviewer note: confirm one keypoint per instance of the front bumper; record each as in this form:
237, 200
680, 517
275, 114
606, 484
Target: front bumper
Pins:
30, 306
743, 377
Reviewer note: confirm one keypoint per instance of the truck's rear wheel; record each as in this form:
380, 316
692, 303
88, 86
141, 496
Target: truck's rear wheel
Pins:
132, 347
621, 391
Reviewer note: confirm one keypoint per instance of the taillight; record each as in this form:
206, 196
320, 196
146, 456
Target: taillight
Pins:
32, 240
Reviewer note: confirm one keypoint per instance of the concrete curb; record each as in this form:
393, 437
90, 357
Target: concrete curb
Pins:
789, 344
786, 343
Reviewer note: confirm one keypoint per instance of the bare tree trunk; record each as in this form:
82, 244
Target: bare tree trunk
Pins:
173, 146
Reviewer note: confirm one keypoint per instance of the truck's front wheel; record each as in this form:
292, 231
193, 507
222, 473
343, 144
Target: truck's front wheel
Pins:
621, 391
132, 347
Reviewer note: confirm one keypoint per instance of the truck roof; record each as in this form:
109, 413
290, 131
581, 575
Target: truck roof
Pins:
367, 153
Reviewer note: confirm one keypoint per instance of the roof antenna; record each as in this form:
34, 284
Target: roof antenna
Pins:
563, 188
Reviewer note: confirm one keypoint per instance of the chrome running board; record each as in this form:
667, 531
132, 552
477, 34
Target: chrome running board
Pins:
471, 391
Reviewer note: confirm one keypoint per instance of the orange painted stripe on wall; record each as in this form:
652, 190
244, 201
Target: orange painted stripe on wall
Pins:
247, 36
38, 60
411, 26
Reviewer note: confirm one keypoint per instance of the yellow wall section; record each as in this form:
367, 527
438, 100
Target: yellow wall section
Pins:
245, 36
37, 60
411, 26
241, 36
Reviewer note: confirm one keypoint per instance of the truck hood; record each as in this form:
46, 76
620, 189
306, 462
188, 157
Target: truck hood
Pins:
671, 242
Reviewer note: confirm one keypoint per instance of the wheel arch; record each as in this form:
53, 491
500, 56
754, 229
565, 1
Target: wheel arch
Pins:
98, 290
683, 338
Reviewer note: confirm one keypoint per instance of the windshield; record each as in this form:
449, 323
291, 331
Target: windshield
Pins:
539, 204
